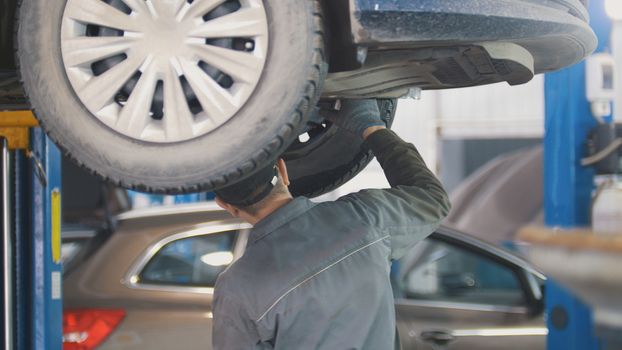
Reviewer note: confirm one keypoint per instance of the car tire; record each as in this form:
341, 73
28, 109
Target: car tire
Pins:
286, 90
330, 156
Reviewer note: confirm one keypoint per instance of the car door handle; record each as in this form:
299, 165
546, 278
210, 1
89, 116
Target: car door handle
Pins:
439, 338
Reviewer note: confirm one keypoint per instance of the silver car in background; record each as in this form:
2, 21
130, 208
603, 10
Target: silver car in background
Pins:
149, 285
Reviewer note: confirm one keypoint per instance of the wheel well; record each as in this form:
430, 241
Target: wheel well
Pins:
7, 8
342, 52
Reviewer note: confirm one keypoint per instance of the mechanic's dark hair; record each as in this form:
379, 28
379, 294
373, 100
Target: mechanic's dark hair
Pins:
278, 190
251, 193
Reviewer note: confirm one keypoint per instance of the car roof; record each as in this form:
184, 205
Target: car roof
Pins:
446, 233
201, 210
164, 210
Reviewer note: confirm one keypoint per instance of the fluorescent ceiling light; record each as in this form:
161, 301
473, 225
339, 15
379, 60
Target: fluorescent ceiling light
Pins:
217, 259
614, 9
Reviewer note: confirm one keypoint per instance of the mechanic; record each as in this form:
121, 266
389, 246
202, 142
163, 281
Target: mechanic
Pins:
316, 276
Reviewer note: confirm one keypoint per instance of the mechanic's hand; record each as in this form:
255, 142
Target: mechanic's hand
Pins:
355, 116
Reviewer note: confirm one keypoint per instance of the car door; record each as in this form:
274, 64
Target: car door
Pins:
457, 296
170, 288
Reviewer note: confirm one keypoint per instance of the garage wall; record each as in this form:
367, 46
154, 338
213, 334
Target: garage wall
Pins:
462, 157
493, 111
487, 112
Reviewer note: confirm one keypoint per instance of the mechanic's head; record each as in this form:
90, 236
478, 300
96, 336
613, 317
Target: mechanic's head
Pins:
250, 196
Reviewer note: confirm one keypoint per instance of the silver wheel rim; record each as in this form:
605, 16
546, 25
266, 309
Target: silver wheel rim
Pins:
164, 70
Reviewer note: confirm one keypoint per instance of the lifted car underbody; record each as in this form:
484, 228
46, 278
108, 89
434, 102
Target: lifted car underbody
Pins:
455, 43
177, 96
383, 50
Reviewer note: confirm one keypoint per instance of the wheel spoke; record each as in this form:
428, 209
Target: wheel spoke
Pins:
98, 91
134, 116
167, 8
243, 23
217, 103
241, 65
84, 50
177, 6
99, 13
137, 6
199, 8
178, 120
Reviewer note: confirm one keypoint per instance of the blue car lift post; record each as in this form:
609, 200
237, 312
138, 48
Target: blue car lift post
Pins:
31, 217
568, 186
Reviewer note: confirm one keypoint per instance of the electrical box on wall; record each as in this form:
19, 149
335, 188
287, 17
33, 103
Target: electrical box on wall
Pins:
600, 87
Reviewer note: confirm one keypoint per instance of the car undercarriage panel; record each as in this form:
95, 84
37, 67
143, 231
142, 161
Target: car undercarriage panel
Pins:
456, 43
390, 73
428, 44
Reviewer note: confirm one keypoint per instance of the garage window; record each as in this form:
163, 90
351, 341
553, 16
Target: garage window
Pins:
192, 262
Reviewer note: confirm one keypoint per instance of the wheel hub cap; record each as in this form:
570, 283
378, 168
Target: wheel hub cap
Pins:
164, 70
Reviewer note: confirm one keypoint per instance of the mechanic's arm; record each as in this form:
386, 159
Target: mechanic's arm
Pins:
415, 204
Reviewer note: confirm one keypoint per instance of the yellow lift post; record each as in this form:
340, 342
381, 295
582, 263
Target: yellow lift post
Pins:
14, 127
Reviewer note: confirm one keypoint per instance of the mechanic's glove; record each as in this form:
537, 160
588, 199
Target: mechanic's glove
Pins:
355, 116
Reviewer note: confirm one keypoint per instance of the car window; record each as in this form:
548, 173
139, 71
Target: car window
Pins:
194, 261
439, 271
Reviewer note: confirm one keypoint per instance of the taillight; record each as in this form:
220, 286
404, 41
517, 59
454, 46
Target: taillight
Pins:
85, 329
